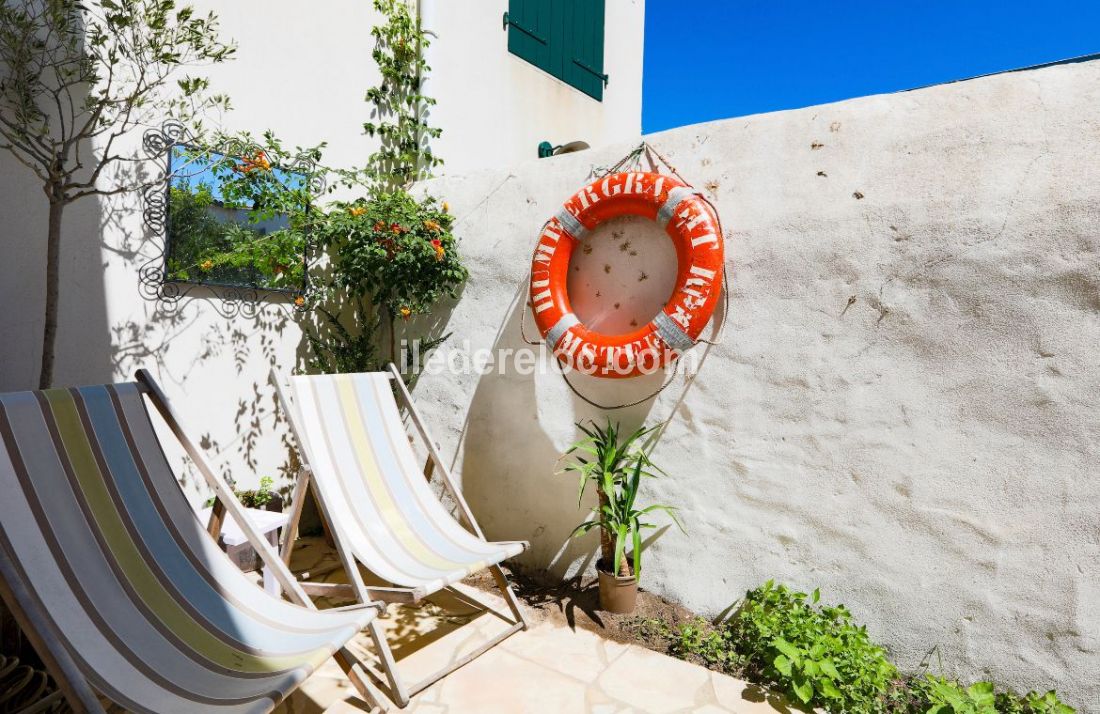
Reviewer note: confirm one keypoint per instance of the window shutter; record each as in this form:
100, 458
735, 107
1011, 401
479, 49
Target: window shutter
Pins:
529, 31
584, 28
562, 37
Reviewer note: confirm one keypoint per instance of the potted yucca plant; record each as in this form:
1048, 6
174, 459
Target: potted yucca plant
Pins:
616, 467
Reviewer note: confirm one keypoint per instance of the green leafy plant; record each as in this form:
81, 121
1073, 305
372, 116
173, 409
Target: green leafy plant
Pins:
265, 197
263, 495
255, 497
334, 349
204, 249
702, 640
816, 653
947, 696
1046, 703
393, 251
615, 467
819, 657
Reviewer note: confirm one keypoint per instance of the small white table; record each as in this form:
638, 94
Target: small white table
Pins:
263, 521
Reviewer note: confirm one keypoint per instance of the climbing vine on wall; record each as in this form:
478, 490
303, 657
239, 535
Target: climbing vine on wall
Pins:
399, 118
388, 256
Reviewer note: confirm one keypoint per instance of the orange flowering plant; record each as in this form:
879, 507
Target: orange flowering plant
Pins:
394, 250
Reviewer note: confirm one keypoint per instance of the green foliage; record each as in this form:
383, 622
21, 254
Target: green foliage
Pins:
603, 455
710, 644
816, 653
253, 498
260, 497
946, 696
1047, 703
265, 203
817, 656
335, 349
615, 467
400, 107
395, 251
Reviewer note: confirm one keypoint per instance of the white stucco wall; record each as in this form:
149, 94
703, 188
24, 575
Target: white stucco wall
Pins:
283, 79
301, 70
495, 108
927, 455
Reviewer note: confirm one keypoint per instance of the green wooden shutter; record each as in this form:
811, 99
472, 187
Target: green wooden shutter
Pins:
562, 37
584, 23
529, 31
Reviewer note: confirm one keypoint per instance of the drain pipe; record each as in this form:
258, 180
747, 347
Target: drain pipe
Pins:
426, 12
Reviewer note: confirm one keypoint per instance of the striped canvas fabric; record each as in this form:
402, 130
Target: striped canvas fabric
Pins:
98, 541
376, 495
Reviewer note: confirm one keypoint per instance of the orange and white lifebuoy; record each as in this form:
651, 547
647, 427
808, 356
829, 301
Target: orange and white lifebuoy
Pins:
692, 224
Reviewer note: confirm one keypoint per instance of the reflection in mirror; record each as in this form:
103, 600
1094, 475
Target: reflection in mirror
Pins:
235, 221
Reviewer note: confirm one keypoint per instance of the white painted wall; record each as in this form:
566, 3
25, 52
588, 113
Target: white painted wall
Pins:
495, 108
302, 71
928, 455
284, 79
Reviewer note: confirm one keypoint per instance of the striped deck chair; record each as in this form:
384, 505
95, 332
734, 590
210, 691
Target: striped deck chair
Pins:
120, 588
360, 465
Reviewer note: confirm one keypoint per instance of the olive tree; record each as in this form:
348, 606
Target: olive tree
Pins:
77, 77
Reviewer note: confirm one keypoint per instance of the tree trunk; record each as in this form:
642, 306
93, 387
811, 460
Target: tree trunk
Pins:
607, 547
53, 279
624, 566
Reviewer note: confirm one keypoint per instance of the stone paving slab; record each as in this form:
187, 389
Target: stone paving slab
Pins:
549, 669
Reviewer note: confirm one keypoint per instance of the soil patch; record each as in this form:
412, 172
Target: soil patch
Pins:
576, 603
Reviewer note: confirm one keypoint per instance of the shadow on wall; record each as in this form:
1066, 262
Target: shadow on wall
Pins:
196, 342
492, 478
83, 346
248, 347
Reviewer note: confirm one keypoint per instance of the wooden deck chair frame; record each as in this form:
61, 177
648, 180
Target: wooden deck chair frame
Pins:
357, 588
225, 501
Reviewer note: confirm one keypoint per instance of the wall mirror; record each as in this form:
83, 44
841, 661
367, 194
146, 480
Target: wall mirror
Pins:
234, 221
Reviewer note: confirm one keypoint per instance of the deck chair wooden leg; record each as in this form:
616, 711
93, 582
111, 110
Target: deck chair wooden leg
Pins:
509, 596
389, 665
290, 530
354, 671
217, 518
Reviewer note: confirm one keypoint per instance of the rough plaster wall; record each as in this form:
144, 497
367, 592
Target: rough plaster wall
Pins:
928, 453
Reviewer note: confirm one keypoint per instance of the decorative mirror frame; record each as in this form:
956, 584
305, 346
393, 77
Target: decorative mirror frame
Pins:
230, 300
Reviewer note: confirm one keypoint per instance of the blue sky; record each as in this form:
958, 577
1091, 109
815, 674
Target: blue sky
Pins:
725, 58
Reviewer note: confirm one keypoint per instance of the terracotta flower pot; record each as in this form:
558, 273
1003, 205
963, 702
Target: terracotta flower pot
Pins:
618, 593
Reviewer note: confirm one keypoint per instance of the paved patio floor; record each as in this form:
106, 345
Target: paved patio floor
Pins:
549, 668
